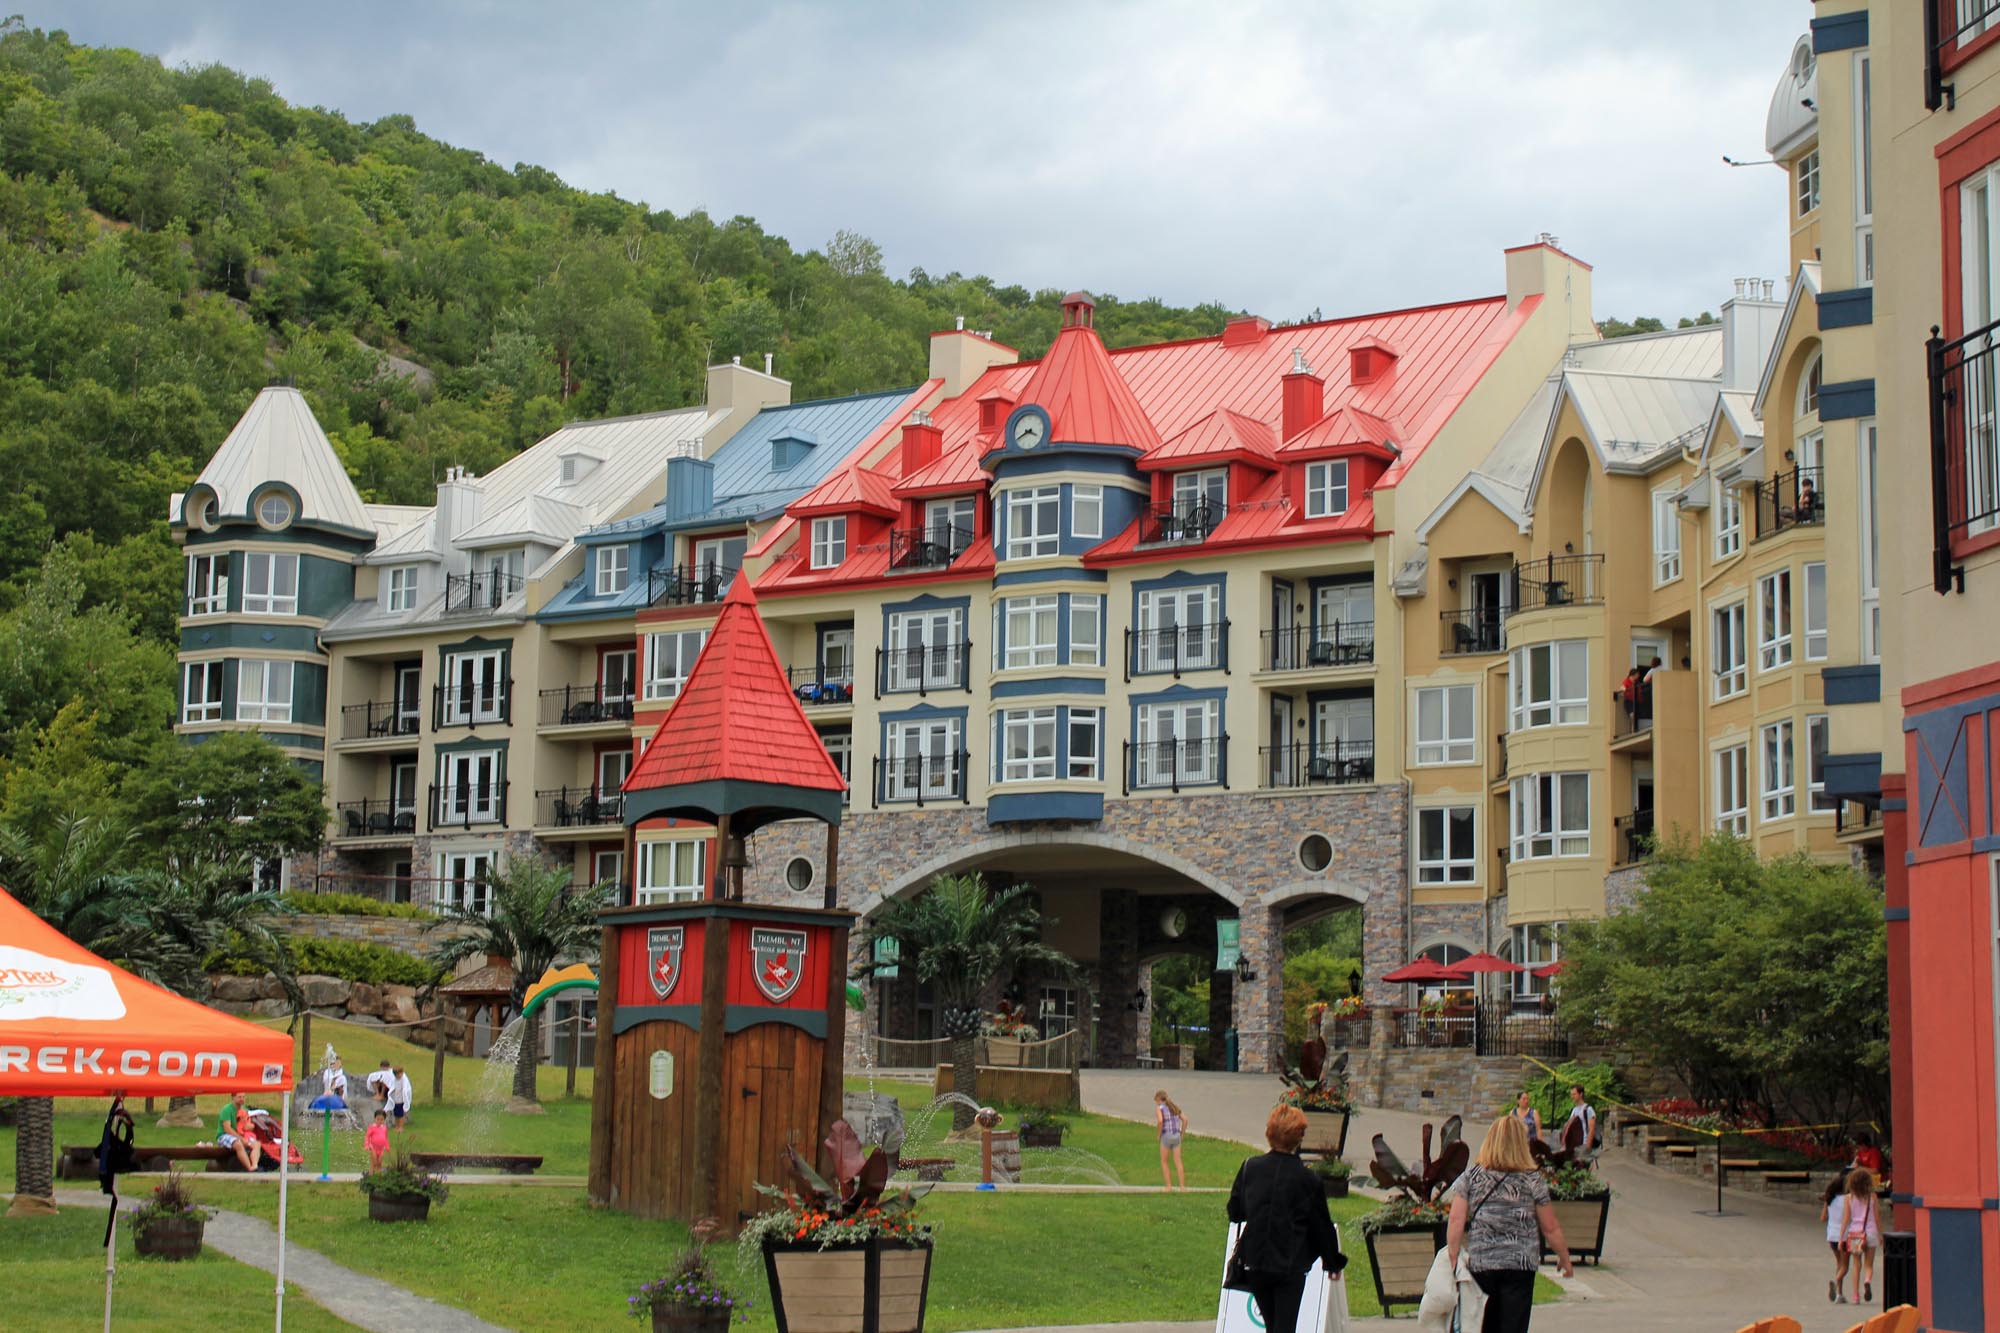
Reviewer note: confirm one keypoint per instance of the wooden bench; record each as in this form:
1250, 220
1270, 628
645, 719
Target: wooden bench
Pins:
514, 1164
1654, 1144
1678, 1150
1779, 1176
79, 1161
1740, 1164
1149, 1061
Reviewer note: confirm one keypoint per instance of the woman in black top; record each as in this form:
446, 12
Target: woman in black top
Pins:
1286, 1223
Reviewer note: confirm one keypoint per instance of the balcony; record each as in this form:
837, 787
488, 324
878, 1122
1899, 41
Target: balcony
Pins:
480, 593
579, 808
1342, 643
1946, 24
1631, 717
1177, 648
1965, 448
1199, 761
378, 721
921, 779
490, 704
933, 547
817, 689
1319, 764
926, 667
1632, 837
688, 585
477, 805
1185, 524
1857, 820
1474, 630
1790, 500
376, 819
1558, 580
586, 705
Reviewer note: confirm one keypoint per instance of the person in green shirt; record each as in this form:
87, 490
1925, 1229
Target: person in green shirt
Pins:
232, 1133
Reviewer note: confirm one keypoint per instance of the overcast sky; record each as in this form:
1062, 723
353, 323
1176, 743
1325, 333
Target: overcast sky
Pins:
1279, 158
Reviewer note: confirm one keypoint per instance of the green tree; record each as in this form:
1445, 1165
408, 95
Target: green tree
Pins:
230, 801
537, 918
960, 935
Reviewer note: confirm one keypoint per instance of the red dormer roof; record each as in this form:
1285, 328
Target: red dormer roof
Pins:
1087, 400
735, 740
954, 472
1220, 437
845, 492
1344, 430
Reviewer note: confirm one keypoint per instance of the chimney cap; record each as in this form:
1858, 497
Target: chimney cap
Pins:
736, 360
1299, 366
920, 417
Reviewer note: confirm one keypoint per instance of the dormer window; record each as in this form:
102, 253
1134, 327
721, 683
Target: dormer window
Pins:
575, 467
1326, 488
1201, 497
400, 588
274, 509
614, 569
993, 410
829, 541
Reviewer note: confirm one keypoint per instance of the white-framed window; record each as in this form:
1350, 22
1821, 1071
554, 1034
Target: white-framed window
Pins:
270, 584
948, 523
617, 675
673, 871
1027, 745
1326, 488
1086, 511
274, 510
1179, 744
1864, 170
1807, 174
1194, 491
1180, 628
670, 658
1729, 650
1086, 743
1871, 547
464, 881
1809, 404
201, 691
1034, 522
1979, 282
1728, 521
1666, 536
1551, 685
1975, 17
608, 867
400, 588
1086, 629
921, 759
829, 541
840, 748
1444, 725
1551, 814
475, 687
613, 767
469, 787
926, 649
1777, 770
263, 690
207, 585
1732, 790
836, 656
1819, 739
1774, 620
1032, 627
614, 569
1815, 582
1534, 946
1447, 846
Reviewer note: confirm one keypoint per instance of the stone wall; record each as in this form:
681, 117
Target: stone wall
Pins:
1623, 886
327, 997
1441, 1082
401, 933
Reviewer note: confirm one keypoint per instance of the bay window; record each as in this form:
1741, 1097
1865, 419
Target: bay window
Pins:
1034, 522
263, 691
270, 584
1551, 815
201, 691
1774, 620
1086, 629
1086, 511
1816, 611
1732, 790
1728, 651
1778, 771
1086, 739
207, 585
1029, 630
1027, 745
1550, 685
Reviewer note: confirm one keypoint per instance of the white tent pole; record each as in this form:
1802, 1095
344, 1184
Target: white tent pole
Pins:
284, 1179
110, 1261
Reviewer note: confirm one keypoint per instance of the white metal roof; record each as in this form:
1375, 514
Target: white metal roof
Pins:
1690, 353
278, 440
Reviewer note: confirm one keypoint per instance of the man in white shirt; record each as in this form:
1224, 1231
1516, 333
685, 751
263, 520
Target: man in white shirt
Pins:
1580, 1109
399, 1096
378, 1084
333, 1080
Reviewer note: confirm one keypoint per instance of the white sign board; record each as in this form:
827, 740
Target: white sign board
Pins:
660, 1080
1324, 1309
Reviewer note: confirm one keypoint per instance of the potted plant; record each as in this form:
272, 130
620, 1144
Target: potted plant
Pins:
402, 1191
1583, 1207
838, 1253
689, 1299
1405, 1234
1319, 1088
1042, 1129
168, 1225
1333, 1174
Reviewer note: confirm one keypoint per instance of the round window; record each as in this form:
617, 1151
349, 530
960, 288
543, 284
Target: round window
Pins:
202, 513
274, 510
1315, 852
799, 874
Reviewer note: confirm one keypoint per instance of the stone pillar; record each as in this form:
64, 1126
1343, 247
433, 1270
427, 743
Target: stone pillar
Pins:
1381, 1031
1117, 978
1144, 1042
858, 1043
1221, 1014
1260, 1027
1386, 934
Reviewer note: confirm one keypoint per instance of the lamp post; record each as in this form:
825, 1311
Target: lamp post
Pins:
326, 1104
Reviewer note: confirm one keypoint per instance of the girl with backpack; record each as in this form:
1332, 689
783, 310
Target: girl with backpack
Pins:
1860, 1232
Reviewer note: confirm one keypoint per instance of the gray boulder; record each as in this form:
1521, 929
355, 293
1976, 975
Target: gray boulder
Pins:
238, 988
325, 992
877, 1119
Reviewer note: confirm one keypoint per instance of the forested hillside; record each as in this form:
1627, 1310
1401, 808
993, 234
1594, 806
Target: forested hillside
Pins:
171, 240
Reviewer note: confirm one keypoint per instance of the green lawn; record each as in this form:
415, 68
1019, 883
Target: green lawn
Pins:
55, 1281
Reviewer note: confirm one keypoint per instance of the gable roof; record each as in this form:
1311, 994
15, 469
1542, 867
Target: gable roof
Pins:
847, 490
277, 439
1341, 428
1221, 436
1805, 283
532, 518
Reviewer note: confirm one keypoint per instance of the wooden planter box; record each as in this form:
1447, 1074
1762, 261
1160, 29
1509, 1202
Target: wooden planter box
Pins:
1042, 1138
1582, 1222
1006, 1053
687, 1321
399, 1207
879, 1287
1326, 1132
1402, 1260
1335, 1186
169, 1238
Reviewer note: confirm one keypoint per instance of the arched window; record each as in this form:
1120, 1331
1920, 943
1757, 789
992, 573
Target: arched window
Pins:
1446, 954
1809, 390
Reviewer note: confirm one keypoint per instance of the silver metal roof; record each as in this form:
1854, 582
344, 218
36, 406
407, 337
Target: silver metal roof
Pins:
277, 439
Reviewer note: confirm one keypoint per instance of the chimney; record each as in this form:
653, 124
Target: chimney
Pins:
690, 488
1304, 396
1749, 327
742, 392
457, 504
960, 356
922, 443
1245, 330
767, 363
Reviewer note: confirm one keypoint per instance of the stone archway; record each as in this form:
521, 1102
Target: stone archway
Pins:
986, 850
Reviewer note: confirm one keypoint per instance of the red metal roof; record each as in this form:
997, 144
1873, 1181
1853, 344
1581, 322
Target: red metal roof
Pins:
847, 490
736, 717
1087, 401
1341, 429
954, 471
1218, 437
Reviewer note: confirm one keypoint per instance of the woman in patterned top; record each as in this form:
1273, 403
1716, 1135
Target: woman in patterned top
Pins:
1500, 1210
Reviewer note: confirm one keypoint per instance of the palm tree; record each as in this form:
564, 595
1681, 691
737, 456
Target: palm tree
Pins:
537, 918
960, 935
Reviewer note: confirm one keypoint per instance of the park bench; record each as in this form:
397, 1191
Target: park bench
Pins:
1779, 1176
1741, 1164
1654, 1144
79, 1161
927, 1168
514, 1164
1682, 1150
1149, 1061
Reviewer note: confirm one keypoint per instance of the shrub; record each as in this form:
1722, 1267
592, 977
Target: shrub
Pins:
1576, 1181
1550, 1093
350, 960
352, 904
401, 1177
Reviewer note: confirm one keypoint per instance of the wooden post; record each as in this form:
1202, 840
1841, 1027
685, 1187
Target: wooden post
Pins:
628, 892
833, 1061
718, 889
575, 1049
833, 869
437, 1056
708, 1107
604, 1087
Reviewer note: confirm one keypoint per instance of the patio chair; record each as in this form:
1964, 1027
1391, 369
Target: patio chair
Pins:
1320, 768
565, 813
405, 822
354, 824
1321, 653
1462, 637
378, 823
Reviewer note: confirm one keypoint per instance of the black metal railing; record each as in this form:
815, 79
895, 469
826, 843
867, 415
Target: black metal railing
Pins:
465, 806
1946, 22
1331, 644
584, 705
686, 585
815, 685
1201, 761
1632, 835
1177, 648
418, 890
578, 807
922, 779
1434, 1027
1182, 524
1507, 1031
485, 590
1790, 499
1338, 763
1558, 580
472, 705
1857, 817
379, 720
1631, 717
375, 819
932, 547
926, 667
1473, 630
1965, 446
1352, 1033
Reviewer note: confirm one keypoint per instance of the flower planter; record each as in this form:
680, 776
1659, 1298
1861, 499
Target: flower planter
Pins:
690, 1321
399, 1207
1335, 1186
1583, 1222
877, 1287
1326, 1132
1401, 1259
1042, 1138
169, 1237
1006, 1053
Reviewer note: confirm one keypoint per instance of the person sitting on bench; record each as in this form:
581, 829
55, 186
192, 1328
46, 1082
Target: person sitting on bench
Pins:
235, 1134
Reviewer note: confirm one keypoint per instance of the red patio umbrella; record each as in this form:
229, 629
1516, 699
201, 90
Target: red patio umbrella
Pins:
1466, 968
1550, 969
1420, 969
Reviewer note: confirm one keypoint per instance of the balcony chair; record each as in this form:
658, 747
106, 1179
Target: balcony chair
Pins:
378, 823
1323, 652
382, 727
353, 823
580, 712
406, 821
1463, 638
1322, 768
565, 813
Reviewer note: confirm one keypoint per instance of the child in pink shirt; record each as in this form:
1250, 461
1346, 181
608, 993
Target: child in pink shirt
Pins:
377, 1139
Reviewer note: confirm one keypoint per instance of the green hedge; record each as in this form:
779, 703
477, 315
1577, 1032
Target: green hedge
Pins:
351, 904
348, 959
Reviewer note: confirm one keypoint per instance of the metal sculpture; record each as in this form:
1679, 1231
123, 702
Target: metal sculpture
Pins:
1432, 1177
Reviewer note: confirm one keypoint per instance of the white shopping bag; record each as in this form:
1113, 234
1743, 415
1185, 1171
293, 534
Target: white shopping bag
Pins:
1324, 1309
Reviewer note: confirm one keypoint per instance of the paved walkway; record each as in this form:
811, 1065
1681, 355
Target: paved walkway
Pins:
363, 1301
